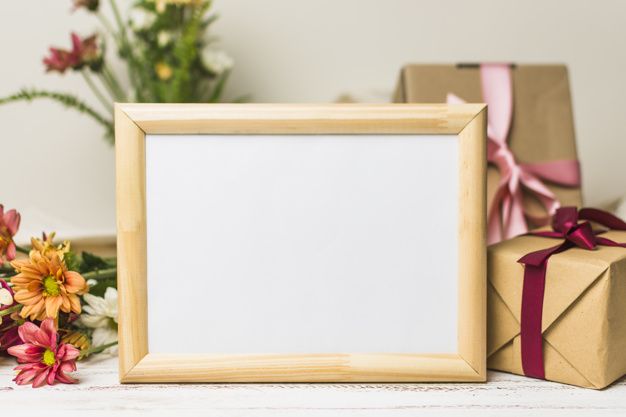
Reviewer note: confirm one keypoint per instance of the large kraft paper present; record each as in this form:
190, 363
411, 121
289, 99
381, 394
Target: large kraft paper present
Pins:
540, 130
584, 311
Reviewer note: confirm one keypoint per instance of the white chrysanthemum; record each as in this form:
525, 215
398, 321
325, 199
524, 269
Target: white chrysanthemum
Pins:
217, 60
100, 314
164, 38
141, 18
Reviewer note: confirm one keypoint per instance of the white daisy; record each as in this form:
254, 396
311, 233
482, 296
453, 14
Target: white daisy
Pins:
216, 60
100, 314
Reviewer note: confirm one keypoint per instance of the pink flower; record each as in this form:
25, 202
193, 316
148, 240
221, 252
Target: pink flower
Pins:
44, 360
9, 223
8, 327
85, 51
59, 60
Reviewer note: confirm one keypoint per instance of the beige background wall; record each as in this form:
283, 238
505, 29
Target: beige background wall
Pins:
58, 171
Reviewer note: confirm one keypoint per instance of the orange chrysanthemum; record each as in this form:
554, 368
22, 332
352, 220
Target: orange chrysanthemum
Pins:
47, 248
44, 285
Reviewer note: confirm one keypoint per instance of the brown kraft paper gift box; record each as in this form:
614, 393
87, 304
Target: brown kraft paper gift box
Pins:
584, 313
542, 128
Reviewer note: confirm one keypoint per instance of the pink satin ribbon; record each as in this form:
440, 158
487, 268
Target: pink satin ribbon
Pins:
507, 215
574, 228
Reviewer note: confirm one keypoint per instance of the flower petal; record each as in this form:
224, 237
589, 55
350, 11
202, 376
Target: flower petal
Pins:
12, 221
93, 321
74, 302
26, 352
67, 352
40, 380
48, 328
25, 377
11, 251
52, 306
74, 282
65, 379
68, 366
98, 304
27, 297
27, 332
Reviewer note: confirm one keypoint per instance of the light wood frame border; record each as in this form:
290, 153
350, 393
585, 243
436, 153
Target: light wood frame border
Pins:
134, 121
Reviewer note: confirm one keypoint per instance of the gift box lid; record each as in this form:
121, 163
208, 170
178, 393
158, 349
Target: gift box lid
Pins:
542, 111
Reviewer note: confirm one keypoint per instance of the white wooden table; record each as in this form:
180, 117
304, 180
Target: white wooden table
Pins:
99, 393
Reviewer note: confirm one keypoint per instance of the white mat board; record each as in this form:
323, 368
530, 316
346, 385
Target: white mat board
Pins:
302, 243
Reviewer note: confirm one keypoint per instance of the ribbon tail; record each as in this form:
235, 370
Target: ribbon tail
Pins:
515, 223
535, 265
495, 221
608, 242
602, 217
545, 196
563, 172
531, 317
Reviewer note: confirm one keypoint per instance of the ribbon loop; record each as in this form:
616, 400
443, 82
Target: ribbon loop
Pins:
582, 236
507, 215
564, 219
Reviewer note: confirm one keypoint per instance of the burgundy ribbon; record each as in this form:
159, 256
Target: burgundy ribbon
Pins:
575, 229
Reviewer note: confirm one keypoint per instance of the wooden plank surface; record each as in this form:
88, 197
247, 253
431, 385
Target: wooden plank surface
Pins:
99, 393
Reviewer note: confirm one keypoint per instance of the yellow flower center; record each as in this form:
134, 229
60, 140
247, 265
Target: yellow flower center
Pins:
50, 286
48, 358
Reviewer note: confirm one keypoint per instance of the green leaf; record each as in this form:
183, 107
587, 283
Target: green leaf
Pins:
91, 262
66, 100
71, 261
219, 87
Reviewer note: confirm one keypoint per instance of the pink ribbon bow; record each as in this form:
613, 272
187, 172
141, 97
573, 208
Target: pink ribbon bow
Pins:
507, 216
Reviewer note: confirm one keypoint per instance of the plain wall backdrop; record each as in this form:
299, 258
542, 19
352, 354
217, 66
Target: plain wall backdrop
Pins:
59, 172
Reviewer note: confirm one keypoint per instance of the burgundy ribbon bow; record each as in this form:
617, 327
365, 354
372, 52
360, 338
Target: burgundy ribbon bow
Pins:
575, 229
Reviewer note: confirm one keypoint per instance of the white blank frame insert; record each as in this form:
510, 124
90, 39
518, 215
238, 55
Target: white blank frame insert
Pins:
301, 243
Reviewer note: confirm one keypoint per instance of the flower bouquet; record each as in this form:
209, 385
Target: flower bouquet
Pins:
56, 306
164, 45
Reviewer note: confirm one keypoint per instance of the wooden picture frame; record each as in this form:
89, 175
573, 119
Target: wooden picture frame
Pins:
134, 121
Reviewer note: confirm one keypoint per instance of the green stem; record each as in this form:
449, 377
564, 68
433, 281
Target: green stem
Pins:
67, 100
101, 274
96, 349
121, 96
107, 25
118, 19
126, 51
106, 103
22, 250
6, 270
10, 310
107, 85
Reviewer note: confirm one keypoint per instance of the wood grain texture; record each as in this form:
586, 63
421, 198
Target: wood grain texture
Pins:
472, 338
302, 368
99, 394
131, 241
301, 118
134, 121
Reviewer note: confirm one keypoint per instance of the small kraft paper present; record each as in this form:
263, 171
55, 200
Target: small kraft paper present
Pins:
556, 301
531, 149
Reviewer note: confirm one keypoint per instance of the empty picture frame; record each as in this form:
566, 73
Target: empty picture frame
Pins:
301, 243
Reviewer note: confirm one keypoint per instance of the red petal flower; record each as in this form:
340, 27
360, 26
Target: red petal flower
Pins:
43, 359
9, 224
85, 51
